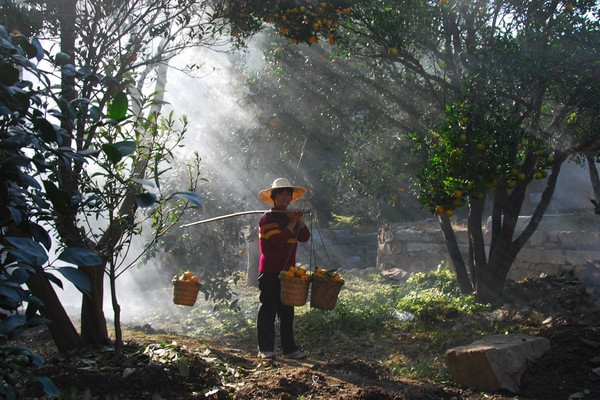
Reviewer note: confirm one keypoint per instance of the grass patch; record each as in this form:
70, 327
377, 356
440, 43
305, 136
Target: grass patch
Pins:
364, 322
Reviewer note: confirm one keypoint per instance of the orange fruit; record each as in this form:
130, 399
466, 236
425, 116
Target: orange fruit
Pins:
187, 275
300, 271
194, 278
292, 269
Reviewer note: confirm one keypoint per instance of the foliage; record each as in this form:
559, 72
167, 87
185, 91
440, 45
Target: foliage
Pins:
482, 129
107, 51
319, 117
459, 156
29, 142
214, 251
16, 363
434, 297
364, 322
302, 22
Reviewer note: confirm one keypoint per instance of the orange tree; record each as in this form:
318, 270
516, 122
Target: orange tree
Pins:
502, 79
301, 21
488, 88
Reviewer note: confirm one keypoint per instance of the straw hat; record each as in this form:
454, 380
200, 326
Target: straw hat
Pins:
281, 183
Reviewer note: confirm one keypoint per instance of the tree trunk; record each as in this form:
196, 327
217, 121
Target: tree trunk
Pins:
117, 310
594, 177
93, 321
476, 239
253, 260
458, 264
61, 328
490, 282
322, 209
491, 276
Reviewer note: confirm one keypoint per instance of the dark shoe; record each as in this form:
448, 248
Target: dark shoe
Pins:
266, 354
296, 355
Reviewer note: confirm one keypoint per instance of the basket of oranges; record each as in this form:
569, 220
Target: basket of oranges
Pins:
294, 286
326, 286
185, 289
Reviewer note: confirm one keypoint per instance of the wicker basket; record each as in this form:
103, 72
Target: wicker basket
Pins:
185, 292
294, 291
324, 292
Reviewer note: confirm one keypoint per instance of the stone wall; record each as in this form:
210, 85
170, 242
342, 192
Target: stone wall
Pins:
550, 250
557, 245
339, 249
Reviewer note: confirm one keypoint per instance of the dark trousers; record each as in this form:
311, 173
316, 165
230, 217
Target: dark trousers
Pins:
270, 306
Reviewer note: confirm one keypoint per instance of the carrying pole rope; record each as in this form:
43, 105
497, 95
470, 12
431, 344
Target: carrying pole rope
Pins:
181, 252
322, 242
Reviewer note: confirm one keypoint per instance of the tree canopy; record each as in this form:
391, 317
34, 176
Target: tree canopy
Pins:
494, 95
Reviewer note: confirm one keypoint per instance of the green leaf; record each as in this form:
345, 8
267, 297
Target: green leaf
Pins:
145, 199
8, 74
184, 367
30, 50
62, 58
88, 152
47, 130
11, 324
40, 50
48, 386
80, 256
59, 198
126, 147
190, 197
78, 278
29, 247
118, 108
94, 113
143, 182
156, 159
116, 151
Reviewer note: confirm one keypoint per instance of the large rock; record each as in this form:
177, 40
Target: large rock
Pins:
495, 362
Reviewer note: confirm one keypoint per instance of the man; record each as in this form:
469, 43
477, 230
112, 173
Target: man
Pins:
280, 230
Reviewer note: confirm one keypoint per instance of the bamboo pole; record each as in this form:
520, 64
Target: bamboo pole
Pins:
237, 214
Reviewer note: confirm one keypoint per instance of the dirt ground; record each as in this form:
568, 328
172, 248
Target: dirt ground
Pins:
199, 369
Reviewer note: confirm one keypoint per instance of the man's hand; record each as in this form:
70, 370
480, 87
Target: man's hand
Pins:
298, 215
295, 216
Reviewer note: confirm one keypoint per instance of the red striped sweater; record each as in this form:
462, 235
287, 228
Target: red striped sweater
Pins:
277, 243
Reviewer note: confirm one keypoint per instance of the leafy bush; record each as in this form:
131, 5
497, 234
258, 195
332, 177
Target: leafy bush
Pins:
435, 296
28, 144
